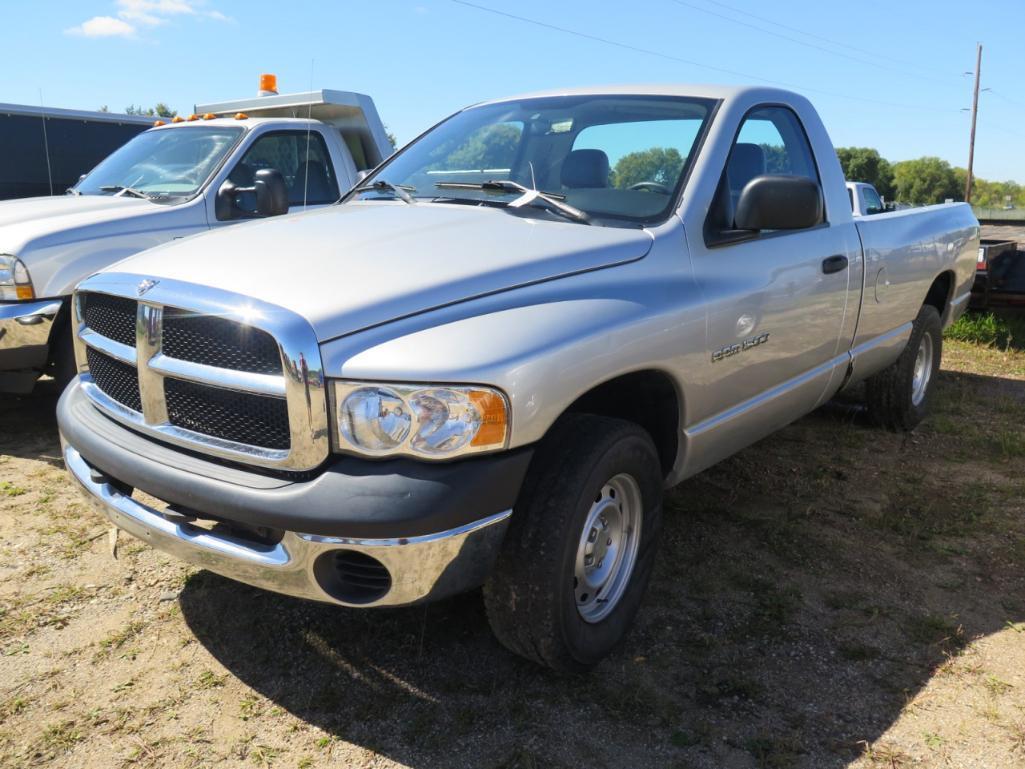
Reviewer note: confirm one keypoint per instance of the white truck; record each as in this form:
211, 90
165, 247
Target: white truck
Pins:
865, 199
230, 162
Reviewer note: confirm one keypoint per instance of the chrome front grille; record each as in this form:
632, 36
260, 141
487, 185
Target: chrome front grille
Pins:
214, 371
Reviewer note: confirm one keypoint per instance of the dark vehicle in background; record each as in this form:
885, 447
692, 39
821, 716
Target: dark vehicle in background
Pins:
999, 276
46, 150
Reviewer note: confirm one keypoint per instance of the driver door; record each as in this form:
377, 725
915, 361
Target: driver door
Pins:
304, 162
776, 301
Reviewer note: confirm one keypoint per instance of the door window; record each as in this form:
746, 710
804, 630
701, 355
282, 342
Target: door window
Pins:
772, 141
303, 160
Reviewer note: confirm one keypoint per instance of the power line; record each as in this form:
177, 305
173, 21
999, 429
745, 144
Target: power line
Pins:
680, 60
805, 43
814, 35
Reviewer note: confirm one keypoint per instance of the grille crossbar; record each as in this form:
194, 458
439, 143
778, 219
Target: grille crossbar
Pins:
199, 376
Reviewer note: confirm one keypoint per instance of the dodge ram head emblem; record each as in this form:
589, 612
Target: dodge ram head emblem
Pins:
145, 286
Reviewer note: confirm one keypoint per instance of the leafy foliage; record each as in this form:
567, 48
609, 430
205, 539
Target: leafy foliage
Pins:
864, 164
925, 180
658, 164
492, 146
160, 110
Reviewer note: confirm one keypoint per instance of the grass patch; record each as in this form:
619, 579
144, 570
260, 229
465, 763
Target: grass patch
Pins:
8, 489
773, 752
990, 330
939, 630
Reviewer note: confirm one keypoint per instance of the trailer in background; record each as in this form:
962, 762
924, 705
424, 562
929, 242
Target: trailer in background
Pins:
999, 276
46, 150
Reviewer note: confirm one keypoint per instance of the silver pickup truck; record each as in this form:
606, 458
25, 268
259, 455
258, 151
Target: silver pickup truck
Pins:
487, 362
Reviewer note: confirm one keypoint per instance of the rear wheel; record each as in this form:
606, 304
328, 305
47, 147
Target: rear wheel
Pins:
581, 545
898, 397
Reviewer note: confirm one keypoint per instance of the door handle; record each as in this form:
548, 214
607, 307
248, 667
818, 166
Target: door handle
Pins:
834, 264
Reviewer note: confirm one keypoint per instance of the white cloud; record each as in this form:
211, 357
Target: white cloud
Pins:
135, 14
102, 26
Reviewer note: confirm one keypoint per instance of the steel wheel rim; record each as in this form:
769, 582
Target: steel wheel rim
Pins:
923, 371
607, 551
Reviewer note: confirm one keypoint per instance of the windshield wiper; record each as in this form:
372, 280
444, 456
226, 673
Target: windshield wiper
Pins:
535, 198
382, 186
121, 189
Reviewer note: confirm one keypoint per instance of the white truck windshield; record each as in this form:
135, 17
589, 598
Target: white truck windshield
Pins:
165, 164
610, 157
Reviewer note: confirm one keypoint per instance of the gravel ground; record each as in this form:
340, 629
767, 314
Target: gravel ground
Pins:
835, 596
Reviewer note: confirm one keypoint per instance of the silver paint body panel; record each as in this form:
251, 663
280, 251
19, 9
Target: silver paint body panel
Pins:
546, 310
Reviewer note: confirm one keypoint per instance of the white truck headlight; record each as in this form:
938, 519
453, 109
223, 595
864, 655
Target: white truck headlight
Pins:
15, 283
425, 421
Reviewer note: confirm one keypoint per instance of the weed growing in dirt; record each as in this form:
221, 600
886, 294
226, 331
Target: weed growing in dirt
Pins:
989, 329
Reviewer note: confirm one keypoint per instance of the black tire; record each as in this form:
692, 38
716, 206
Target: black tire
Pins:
62, 352
531, 596
891, 394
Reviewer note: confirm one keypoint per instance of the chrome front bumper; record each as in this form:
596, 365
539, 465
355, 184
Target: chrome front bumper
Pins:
24, 342
420, 568
26, 324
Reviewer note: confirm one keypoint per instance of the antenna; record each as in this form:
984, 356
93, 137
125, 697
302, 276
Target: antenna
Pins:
46, 143
309, 126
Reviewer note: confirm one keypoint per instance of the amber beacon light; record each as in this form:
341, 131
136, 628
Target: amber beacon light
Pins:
268, 85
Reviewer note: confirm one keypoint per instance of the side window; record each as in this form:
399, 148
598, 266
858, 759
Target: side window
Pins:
771, 141
303, 160
873, 204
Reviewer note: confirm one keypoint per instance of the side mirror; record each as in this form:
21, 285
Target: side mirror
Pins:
779, 203
224, 202
271, 192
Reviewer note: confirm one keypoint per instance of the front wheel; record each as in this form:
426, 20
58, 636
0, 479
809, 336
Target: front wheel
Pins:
581, 545
898, 397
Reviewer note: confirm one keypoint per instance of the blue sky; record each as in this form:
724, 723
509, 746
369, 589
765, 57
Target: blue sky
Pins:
882, 74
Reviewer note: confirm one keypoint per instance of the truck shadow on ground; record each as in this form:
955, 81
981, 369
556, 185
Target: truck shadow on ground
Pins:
807, 590
29, 424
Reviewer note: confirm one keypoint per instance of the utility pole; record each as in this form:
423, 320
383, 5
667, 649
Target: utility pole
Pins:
975, 110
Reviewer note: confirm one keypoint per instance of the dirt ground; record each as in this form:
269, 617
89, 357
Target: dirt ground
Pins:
835, 596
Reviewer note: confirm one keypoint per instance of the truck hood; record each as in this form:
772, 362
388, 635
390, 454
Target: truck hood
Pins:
353, 266
27, 220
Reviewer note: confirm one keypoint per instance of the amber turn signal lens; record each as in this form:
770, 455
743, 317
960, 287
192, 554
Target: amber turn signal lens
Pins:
494, 418
25, 292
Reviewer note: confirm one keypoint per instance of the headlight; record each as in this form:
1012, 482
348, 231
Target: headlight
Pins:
14, 279
426, 421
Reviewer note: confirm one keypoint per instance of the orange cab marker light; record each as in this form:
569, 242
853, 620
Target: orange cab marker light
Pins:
157, 123
241, 116
193, 117
177, 119
209, 116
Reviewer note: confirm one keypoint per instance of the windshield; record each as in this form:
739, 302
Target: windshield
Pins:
618, 159
162, 165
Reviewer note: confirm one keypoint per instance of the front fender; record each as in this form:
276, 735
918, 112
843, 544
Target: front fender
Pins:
543, 355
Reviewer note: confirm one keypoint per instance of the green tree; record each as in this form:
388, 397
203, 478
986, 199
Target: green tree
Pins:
864, 164
925, 180
160, 110
492, 146
658, 164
